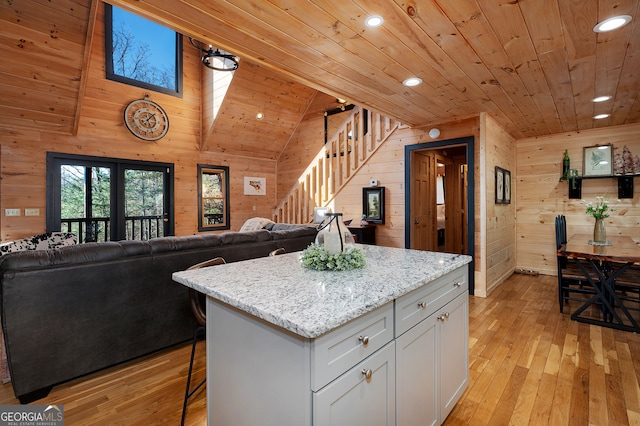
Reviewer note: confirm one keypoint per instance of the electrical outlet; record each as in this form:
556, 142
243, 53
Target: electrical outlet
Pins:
12, 212
32, 212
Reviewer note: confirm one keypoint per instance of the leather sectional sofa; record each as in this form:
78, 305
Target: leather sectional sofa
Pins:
78, 309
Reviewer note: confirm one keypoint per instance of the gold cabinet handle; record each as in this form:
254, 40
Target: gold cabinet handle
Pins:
364, 340
367, 373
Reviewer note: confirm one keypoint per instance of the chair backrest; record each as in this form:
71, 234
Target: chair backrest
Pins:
195, 297
561, 238
561, 231
278, 251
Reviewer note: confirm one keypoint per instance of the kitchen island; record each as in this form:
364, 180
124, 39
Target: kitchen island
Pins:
384, 344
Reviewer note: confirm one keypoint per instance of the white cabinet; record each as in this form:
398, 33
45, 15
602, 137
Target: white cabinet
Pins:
364, 395
453, 347
403, 363
432, 355
417, 375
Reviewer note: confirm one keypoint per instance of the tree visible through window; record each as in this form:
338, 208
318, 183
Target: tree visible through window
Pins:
105, 199
213, 194
142, 53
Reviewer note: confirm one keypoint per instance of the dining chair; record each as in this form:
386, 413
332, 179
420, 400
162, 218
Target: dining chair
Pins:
627, 285
570, 277
196, 299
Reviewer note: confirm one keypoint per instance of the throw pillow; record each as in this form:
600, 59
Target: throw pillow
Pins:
255, 223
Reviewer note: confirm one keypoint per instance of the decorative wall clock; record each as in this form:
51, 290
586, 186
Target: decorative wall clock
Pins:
146, 119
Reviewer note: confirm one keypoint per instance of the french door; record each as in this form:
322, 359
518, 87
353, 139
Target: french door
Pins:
104, 199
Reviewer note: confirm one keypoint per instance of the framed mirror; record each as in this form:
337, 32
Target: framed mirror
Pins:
213, 198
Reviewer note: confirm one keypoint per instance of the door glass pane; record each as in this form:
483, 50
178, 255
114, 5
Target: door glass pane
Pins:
85, 205
144, 204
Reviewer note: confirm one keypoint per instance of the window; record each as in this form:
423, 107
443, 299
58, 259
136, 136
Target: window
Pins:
213, 198
104, 199
142, 53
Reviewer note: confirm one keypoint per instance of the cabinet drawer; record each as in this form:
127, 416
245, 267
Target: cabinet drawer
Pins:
420, 303
337, 351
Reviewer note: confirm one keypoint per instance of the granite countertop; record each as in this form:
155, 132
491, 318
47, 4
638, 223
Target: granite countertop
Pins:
310, 303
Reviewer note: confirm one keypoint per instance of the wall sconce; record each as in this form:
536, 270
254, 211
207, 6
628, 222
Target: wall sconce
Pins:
434, 133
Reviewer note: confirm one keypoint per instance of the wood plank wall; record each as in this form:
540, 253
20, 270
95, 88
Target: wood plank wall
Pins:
387, 166
303, 145
540, 196
101, 132
497, 242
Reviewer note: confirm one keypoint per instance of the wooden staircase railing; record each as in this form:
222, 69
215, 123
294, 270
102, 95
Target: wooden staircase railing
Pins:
360, 136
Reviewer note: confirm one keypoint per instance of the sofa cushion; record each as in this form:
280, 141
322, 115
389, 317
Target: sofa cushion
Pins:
245, 237
135, 247
164, 244
289, 226
299, 231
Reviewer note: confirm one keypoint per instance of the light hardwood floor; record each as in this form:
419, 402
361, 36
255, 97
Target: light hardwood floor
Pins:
529, 364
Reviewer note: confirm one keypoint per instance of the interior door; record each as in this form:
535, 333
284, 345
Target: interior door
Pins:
423, 201
458, 193
443, 226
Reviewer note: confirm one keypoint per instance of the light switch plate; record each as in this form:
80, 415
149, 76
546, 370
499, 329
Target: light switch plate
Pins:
32, 212
12, 212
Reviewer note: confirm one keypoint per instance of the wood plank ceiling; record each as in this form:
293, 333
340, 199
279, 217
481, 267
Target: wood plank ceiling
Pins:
534, 65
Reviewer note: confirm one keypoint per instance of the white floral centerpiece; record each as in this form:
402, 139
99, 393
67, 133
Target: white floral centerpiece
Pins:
600, 211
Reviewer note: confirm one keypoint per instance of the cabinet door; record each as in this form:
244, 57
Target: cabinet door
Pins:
454, 353
354, 399
417, 374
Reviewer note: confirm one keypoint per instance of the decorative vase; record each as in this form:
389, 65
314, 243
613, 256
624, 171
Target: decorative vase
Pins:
599, 232
333, 235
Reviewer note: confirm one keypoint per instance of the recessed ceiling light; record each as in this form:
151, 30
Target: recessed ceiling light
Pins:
412, 81
601, 99
612, 23
259, 116
374, 21
600, 116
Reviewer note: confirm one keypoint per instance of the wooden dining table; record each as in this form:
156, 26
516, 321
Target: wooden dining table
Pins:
602, 264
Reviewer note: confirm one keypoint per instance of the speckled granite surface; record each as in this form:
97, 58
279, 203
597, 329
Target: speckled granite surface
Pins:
310, 303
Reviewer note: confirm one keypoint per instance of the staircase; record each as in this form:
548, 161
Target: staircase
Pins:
359, 137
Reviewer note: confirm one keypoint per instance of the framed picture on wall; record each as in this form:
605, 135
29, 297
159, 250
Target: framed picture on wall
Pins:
499, 185
373, 204
598, 160
255, 185
507, 186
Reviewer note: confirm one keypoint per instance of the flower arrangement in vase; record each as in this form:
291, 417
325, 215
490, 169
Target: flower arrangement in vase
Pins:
599, 210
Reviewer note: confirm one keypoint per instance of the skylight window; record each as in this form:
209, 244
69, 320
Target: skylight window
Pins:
142, 53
